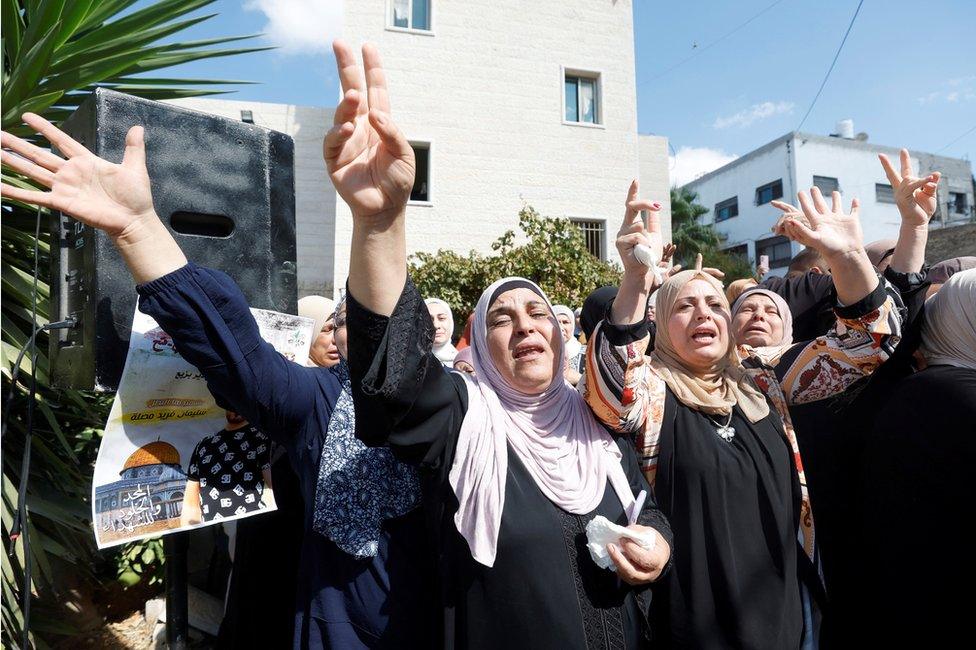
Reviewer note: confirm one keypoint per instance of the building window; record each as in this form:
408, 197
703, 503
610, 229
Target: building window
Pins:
727, 209
421, 182
883, 193
779, 250
769, 191
742, 250
593, 234
410, 14
582, 98
957, 203
826, 184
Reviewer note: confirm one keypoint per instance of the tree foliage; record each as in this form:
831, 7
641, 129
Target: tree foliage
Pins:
693, 237
550, 252
55, 52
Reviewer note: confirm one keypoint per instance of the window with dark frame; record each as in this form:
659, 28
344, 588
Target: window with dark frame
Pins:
582, 98
421, 181
826, 184
957, 203
779, 250
769, 192
727, 209
410, 14
883, 193
742, 250
593, 233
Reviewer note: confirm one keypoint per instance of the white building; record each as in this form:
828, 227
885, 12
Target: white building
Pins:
738, 194
507, 103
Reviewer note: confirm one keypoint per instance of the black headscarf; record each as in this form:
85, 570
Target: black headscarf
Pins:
595, 308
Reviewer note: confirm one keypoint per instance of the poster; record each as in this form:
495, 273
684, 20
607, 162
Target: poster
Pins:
171, 459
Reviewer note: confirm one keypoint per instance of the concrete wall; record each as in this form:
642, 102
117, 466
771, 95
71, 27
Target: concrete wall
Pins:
315, 198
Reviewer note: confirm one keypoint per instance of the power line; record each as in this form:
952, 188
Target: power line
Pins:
956, 140
832, 64
710, 45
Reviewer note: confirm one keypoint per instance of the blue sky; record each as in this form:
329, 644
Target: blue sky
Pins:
906, 76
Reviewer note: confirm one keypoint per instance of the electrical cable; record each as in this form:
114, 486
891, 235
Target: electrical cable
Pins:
832, 64
956, 140
710, 45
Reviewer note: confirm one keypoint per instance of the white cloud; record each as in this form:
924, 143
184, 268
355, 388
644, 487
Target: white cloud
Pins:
300, 26
953, 91
690, 163
754, 113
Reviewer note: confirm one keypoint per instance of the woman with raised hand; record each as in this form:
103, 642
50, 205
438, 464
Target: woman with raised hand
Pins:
513, 464
364, 577
714, 438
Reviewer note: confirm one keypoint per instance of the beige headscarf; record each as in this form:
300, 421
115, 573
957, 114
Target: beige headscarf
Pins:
318, 308
726, 385
949, 329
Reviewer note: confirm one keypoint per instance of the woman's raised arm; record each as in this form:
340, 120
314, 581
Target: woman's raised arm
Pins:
113, 198
372, 168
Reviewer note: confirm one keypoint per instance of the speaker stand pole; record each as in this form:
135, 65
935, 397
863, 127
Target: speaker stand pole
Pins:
174, 547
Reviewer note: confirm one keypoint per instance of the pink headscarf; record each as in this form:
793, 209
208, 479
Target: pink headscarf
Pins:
553, 433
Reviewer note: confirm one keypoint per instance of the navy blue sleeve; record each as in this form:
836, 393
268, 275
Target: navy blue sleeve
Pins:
404, 396
212, 326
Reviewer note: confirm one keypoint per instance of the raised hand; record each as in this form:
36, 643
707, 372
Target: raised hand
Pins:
110, 197
914, 196
633, 232
829, 230
369, 160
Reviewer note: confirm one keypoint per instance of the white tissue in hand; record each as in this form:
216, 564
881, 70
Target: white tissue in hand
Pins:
601, 531
645, 255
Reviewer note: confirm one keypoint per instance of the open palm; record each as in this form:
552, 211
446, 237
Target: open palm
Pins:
98, 193
369, 160
827, 229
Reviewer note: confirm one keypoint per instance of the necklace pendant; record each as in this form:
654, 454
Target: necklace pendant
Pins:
726, 433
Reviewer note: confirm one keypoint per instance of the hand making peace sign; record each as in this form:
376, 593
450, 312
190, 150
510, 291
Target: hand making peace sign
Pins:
369, 160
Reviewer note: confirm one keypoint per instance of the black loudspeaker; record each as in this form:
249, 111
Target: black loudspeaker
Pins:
225, 190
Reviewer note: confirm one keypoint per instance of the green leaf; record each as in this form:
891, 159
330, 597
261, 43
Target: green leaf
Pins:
72, 18
104, 10
36, 104
137, 24
129, 578
148, 556
153, 81
91, 47
13, 29
42, 17
30, 70
167, 60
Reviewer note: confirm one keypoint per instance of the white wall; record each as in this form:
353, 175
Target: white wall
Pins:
315, 198
857, 170
486, 90
741, 179
655, 183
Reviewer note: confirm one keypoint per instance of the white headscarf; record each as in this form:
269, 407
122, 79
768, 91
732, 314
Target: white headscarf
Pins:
445, 353
949, 329
319, 309
553, 433
573, 347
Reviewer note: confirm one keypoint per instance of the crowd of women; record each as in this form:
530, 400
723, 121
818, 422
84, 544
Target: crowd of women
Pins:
447, 493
